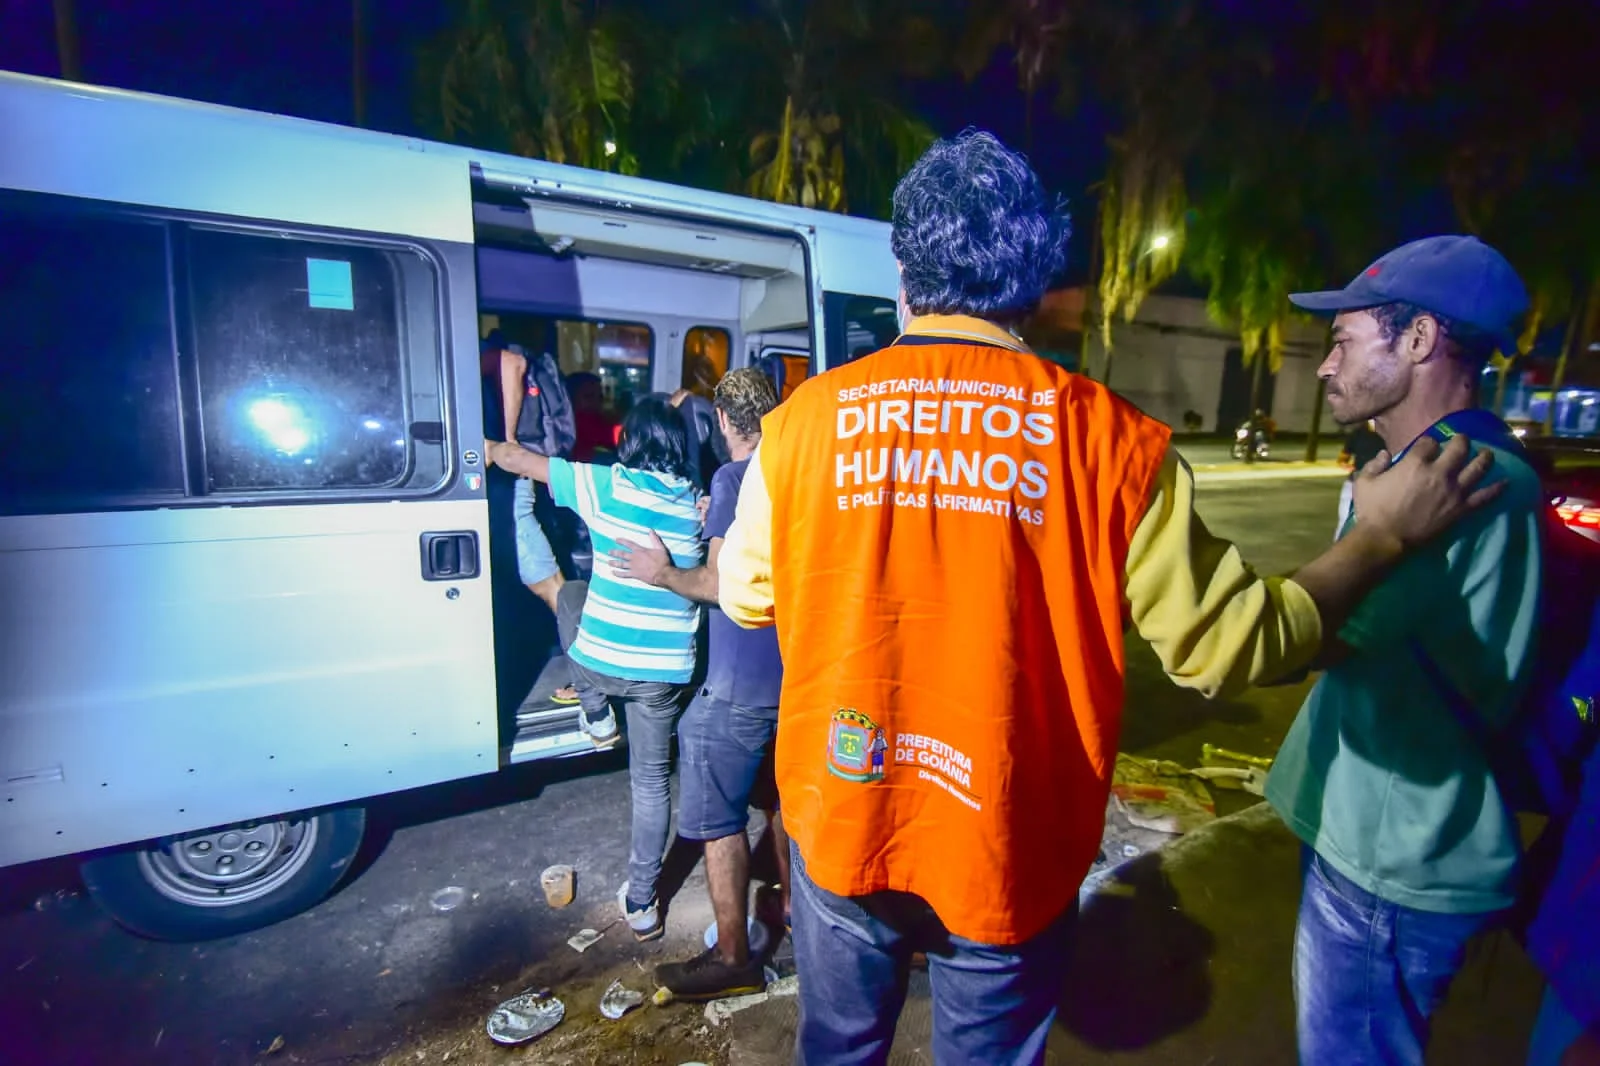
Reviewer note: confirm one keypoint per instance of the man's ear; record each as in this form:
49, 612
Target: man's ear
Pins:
1422, 338
722, 422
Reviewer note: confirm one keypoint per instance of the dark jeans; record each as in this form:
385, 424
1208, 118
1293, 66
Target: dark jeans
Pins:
991, 1005
725, 750
651, 709
1369, 974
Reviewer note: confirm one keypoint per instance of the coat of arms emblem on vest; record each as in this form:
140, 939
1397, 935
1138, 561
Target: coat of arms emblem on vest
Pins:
856, 746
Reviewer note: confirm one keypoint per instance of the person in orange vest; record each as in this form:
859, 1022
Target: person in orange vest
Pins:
950, 535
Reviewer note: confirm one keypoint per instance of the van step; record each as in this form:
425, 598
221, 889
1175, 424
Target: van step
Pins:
534, 744
544, 713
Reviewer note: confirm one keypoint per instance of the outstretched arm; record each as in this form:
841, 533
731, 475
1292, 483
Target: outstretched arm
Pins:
1218, 627
515, 459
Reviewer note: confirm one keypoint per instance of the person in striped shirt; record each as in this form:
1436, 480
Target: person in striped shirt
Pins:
635, 643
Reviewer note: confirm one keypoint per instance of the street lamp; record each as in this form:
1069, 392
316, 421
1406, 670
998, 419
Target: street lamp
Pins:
1159, 242
611, 147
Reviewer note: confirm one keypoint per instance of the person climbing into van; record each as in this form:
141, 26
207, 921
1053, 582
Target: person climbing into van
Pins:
530, 397
725, 738
951, 534
635, 643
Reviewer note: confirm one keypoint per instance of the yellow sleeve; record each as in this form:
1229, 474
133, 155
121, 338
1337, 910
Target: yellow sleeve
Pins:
1216, 625
744, 566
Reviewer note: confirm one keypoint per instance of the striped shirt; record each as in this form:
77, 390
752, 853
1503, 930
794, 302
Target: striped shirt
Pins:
631, 630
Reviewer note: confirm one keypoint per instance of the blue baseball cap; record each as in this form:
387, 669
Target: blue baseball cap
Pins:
1461, 278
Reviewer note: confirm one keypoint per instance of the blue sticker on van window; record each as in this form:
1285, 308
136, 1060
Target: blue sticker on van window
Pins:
328, 284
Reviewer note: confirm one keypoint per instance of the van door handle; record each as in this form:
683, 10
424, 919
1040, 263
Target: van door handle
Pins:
449, 556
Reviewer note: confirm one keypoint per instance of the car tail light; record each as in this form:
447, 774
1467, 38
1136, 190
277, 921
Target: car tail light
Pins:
1582, 515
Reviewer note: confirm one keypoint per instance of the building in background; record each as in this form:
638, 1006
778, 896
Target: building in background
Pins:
1173, 361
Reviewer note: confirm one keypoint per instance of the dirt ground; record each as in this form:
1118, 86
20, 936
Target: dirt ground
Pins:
646, 1036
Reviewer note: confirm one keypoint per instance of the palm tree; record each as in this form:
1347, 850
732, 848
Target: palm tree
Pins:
838, 131
1156, 66
1141, 232
552, 79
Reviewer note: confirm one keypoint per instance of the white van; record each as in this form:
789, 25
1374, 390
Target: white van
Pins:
244, 567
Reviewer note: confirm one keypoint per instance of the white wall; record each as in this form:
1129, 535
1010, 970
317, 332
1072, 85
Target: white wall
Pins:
1170, 360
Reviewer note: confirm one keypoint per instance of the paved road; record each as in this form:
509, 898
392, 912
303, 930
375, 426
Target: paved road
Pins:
378, 972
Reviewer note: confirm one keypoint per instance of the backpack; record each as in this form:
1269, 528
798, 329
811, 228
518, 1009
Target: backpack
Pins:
1537, 758
546, 424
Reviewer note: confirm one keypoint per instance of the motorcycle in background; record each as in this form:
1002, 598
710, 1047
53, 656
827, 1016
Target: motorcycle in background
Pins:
1251, 442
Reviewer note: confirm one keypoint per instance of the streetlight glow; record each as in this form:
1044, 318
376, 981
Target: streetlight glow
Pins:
611, 148
1159, 242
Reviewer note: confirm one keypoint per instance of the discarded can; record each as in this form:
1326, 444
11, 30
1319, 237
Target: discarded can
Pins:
559, 884
619, 1000
525, 1017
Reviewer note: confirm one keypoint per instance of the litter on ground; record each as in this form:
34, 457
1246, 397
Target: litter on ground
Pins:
619, 1000
525, 1017
1161, 795
585, 939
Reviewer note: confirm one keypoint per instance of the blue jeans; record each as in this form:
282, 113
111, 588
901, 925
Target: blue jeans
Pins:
1369, 974
651, 710
724, 752
536, 560
991, 1005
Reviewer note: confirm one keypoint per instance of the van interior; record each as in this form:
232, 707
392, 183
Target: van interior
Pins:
642, 304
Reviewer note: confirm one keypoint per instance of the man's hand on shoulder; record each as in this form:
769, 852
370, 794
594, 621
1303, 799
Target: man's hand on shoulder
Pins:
1420, 497
649, 563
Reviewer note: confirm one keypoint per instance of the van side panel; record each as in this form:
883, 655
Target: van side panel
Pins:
166, 671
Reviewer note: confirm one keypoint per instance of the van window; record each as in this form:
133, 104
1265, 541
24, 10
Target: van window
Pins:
89, 413
705, 359
620, 354
854, 326
302, 367
795, 368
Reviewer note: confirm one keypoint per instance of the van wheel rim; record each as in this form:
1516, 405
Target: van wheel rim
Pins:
227, 867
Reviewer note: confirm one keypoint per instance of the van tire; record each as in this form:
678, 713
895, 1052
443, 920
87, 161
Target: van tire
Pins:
178, 889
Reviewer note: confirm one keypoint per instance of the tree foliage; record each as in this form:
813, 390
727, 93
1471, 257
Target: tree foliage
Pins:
1271, 144
553, 79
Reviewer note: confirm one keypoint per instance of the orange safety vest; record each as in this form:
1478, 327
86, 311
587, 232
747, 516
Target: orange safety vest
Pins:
950, 527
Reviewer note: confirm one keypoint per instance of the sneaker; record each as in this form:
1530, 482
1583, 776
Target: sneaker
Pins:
707, 976
644, 921
602, 734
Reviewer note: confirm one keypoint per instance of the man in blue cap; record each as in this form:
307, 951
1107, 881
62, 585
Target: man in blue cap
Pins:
1410, 849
